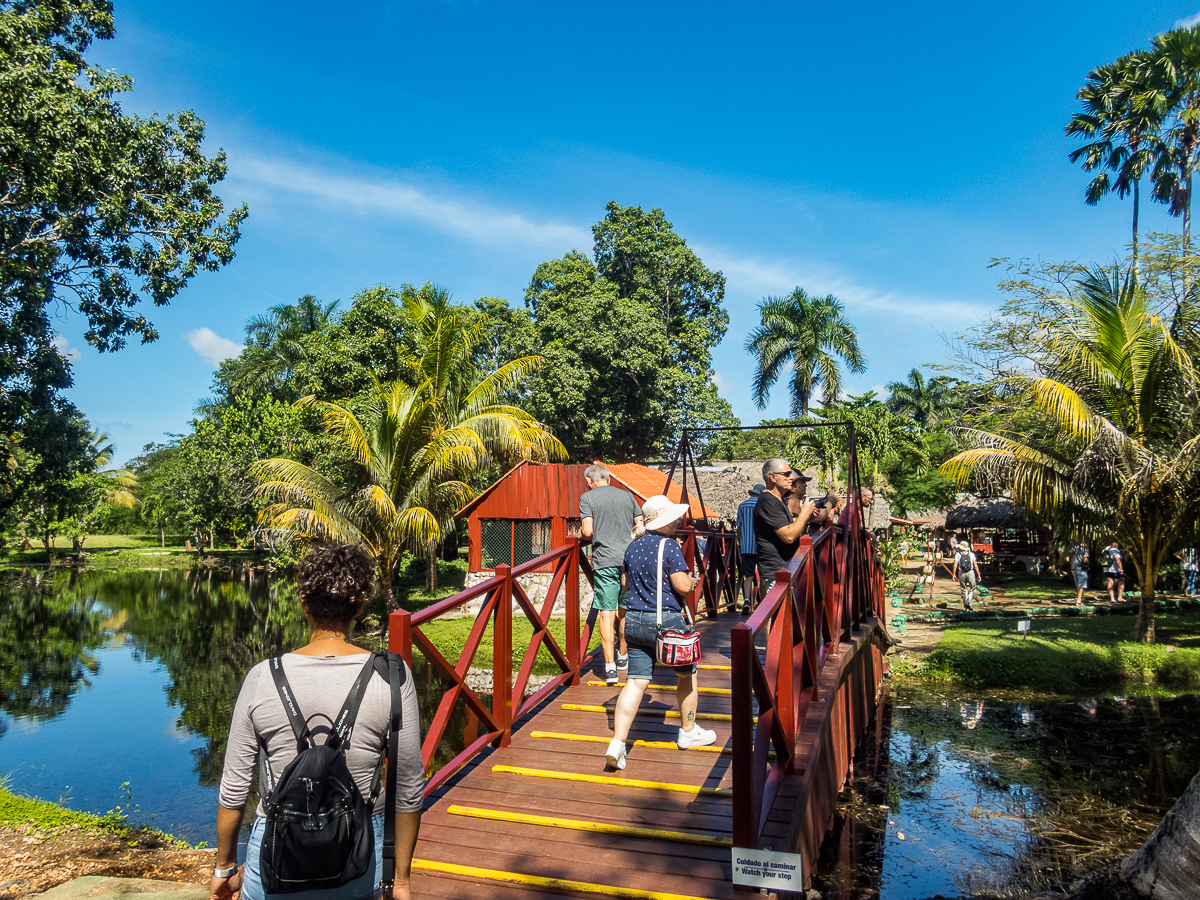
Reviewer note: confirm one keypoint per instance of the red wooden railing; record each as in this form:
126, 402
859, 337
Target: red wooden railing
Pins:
716, 565
832, 586
509, 702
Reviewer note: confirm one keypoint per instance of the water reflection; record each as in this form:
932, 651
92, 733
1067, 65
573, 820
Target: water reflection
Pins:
119, 677
1004, 794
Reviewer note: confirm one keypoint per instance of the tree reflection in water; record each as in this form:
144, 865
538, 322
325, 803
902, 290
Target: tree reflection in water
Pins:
205, 627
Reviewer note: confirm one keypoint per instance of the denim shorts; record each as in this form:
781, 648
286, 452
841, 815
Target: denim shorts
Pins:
641, 629
367, 887
1080, 576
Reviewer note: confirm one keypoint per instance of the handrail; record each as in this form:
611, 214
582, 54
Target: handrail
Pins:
831, 586
509, 703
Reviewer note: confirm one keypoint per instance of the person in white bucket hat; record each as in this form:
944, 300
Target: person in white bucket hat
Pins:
641, 578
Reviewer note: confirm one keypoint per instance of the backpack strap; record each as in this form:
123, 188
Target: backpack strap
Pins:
344, 722
396, 676
304, 738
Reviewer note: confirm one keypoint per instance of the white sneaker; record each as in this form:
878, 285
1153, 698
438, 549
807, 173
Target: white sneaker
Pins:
615, 755
697, 737
622, 662
610, 675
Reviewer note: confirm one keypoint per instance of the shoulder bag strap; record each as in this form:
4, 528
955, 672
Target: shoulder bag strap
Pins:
344, 722
395, 679
661, 546
304, 737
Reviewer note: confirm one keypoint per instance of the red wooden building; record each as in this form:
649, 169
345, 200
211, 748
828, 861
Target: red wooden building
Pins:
534, 507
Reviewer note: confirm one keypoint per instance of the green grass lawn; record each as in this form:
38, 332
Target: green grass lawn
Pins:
1062, 654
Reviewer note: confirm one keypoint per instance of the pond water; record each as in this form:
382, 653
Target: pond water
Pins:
996, 793
116, 690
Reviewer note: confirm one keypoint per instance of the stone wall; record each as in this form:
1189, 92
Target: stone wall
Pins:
535, 586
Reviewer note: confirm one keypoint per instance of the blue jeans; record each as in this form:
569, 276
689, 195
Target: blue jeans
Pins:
364, 888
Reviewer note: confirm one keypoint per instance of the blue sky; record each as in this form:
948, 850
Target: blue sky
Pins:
882, 153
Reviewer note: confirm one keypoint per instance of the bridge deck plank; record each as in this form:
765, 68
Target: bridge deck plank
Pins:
598, 858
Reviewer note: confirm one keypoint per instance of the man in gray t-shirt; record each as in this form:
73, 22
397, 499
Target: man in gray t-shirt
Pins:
609, 516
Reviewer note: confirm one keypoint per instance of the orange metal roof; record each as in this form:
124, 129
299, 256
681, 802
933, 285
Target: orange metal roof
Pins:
646, 482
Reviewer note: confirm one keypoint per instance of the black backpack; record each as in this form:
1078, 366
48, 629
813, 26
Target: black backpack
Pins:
318, 825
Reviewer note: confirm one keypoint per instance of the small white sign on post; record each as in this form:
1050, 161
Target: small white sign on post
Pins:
1023, 626
768, 869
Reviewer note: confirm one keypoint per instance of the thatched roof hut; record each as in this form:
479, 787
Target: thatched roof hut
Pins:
972, 511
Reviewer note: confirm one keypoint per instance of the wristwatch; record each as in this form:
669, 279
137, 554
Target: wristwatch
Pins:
225, 873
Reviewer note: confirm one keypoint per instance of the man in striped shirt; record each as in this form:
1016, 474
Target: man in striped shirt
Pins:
748, 547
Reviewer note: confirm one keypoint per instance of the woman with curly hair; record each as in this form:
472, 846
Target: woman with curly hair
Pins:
335, 584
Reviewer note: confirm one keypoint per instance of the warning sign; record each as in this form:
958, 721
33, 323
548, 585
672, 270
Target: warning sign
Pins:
768, 869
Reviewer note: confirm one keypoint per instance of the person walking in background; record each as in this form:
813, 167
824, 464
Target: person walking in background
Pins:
966, 569
776, 530
1190, 562
748, 548
648, 584
1114, 572
609, 518
1080, 557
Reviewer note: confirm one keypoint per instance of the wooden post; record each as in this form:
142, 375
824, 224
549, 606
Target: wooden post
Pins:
502, 661
573, 639
400, 634
745, 817
785, 706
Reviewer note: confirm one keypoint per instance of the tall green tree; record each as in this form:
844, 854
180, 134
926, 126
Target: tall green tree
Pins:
98, 209
1122, 129
1171, 75
810, 334
413, 463
627, 338
1119, 449
275, 345
927, 401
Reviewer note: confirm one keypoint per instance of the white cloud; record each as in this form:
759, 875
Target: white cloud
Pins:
1188, 22
64, 348
212, 346
723, 386
765, 277
480, 223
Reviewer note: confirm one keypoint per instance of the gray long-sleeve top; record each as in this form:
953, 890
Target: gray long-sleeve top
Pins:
320, 684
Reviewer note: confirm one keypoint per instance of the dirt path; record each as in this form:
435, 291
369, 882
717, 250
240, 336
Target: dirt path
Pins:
35, 861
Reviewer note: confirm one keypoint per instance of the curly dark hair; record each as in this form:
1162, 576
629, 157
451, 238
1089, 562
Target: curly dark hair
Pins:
334, 580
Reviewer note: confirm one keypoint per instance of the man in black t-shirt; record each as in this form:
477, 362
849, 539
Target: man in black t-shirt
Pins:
776, 530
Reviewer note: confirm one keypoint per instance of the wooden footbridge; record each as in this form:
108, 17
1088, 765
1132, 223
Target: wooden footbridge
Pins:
527, 809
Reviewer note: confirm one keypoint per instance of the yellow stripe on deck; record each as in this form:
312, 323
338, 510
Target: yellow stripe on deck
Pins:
657, 834
668, 713
560, 884
659, 665
663, 687
616, 782
656, 745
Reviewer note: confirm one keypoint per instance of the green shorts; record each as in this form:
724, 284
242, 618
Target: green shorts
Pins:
608, 593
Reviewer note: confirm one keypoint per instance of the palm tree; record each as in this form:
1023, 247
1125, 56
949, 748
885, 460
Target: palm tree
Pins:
415, 444
928, 402
1123, 129
275, 346
158, 509
1170, 72
1122, 455
810, 333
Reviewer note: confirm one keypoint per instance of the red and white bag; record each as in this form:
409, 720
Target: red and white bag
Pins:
673, 647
